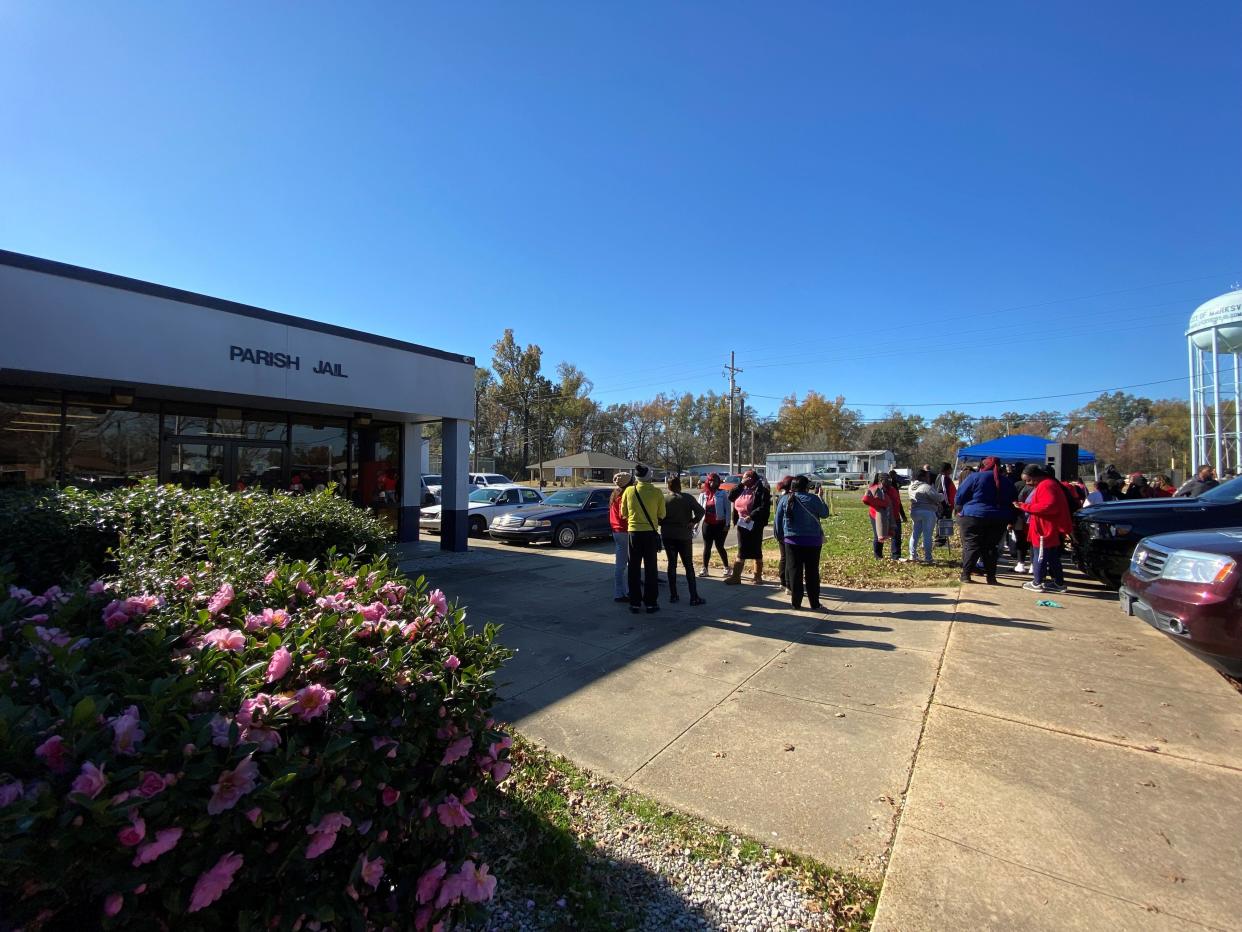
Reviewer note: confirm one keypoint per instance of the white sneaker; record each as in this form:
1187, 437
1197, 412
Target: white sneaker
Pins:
1033, 587
704, 573
1020, 568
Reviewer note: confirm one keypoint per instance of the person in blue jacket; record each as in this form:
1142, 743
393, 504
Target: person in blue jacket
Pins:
797, 526
984, 507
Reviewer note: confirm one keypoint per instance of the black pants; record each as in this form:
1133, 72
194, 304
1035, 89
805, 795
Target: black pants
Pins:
685, 550
1020, 547
804, 567
644, 556
715, 534
980, 538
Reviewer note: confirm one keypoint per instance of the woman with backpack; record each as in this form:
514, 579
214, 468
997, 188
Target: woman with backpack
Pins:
798, 514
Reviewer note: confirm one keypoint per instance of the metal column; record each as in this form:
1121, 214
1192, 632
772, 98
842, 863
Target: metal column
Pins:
1215, 404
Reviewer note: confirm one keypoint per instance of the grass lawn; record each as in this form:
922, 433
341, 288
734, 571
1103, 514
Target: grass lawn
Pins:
848, 560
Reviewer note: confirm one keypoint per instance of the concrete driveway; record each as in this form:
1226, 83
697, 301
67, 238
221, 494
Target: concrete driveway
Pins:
1000, 765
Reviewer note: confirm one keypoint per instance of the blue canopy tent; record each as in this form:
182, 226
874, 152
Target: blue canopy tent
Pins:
1017, 448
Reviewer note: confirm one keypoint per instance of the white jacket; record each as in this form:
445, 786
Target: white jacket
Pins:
924, 497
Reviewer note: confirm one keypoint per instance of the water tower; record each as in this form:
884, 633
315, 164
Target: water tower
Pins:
1215, 331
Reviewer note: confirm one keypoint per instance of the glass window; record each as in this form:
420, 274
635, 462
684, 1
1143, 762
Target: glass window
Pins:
195, 465
258, 467
29, 438
530, 497
318, 455
377, 459
109, 445
242, 424
486, 496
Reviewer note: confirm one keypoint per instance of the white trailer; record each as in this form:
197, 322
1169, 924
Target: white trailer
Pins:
846, 469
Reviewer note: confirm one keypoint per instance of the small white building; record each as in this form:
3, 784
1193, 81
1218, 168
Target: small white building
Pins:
835, 467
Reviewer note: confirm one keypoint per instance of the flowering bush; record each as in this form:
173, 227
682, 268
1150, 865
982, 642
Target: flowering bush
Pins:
301, 752
141, 532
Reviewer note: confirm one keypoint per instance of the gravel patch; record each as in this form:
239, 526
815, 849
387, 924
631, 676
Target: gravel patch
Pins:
672, 872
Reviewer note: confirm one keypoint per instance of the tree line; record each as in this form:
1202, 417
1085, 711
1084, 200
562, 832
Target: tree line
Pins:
525, 416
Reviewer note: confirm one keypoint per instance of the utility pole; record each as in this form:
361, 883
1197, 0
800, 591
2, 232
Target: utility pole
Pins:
733, 370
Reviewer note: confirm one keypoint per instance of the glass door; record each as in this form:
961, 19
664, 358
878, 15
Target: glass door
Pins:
193, 464
257, 466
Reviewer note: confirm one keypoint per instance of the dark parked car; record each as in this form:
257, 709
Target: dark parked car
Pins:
565, 517
1186, 585
1105, 535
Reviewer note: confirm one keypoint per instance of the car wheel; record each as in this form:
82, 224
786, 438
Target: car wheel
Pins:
566, 536
478, 527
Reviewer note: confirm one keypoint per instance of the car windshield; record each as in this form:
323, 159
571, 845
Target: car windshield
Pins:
494, 479
432, 480
575, 497
1230, 491
733, 480
485, 495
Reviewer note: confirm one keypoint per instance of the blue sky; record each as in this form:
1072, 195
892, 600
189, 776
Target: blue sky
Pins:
857, 198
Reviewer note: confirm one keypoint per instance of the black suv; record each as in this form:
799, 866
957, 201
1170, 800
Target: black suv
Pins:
1105, 535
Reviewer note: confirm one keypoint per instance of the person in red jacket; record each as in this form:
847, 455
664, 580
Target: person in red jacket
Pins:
1048, 510
621, 539
887, 513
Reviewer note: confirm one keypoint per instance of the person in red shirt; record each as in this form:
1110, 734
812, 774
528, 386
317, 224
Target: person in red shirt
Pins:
1048, 510
887, 513
621, 539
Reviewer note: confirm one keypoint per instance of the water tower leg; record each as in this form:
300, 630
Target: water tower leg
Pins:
1194, 408
1215, 403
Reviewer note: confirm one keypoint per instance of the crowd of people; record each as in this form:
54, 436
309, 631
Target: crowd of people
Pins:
1023, 508
646, 520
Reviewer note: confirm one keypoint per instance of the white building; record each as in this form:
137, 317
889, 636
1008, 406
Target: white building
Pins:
105, 380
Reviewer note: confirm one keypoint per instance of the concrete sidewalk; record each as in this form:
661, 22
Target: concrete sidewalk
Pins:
796, 728
1051, 768
1078, 770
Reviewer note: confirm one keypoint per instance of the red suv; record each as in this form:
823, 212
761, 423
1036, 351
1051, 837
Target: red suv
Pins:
1186, 585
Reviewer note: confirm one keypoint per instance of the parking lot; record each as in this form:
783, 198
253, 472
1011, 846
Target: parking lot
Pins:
998, 763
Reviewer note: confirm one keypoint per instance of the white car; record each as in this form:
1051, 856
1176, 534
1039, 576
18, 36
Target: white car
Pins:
485, 504
487, 480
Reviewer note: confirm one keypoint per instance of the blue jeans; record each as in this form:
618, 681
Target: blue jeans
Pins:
924, 521
620, 570
1048, 564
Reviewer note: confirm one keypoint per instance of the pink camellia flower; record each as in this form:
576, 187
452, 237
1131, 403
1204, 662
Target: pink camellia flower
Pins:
10, 793
253, 815
152, 784
54, 753
268, 739
469, 796
312, 701
220, 727
452, 663
225, 639
113, 903
439, 602
501, 770
429, 883
372, 871
90, 781
452, 813
389, 796
476, 884
183, 583
221, 600
450, 891
323, 834
126, 732
376, 611
165, 840
232, 785
269, 578
212, 883
304, 587
21, 595
456, 751
133, 834
279, 665
96, 588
